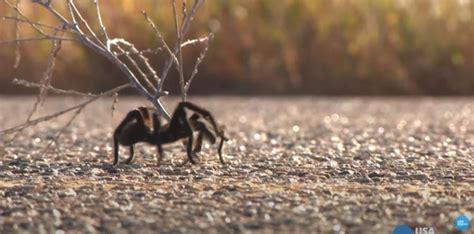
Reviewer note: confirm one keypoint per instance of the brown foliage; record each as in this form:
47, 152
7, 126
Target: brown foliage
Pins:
293, 46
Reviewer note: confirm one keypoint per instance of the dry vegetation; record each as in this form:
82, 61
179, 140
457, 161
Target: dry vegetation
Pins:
322, 47
71, 25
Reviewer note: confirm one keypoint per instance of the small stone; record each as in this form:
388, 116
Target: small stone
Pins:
67, 193
364, 180
374, 174
420, 176
346, 173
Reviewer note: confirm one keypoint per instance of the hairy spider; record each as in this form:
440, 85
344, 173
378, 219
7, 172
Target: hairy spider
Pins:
143, 125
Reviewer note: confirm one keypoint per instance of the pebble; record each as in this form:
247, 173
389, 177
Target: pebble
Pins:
325, 165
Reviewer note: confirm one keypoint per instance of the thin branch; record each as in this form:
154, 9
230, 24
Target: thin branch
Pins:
180, 54
90, 39
158, 34
71, 13
114, 103
55, 13
17, 36
50, 88
59, 113
165, 45
184, 10
27, 21
194, 41
20, 13
150, 69
107, 54
144, 60
184, 29
145, 51
71, 3
135, 65
46, 79
198, 62
58, 134
33, 39
48, 75
101, 24
38, 24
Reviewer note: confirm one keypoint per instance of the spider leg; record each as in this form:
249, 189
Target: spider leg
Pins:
189, 147
155, 137
204, 132
198, 145
116, 151
130, 158
219, 151
132, 115
180, 126
159, 148
207, 115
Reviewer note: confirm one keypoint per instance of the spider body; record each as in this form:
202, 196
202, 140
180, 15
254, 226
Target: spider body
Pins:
143, 125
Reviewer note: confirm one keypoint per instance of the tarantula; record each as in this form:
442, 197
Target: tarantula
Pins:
143, 125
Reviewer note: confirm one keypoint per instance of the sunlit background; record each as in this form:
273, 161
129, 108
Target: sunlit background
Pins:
322, 47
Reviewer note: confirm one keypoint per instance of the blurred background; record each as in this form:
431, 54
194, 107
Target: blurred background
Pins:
319, 47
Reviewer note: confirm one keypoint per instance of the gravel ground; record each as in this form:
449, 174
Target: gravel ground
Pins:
313, 165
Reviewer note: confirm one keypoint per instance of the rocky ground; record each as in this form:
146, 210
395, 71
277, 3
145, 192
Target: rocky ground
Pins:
315, 165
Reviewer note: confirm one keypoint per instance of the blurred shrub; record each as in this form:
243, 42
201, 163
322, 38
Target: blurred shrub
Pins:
287, 47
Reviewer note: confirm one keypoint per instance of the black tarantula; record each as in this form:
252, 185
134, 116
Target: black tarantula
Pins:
143, 125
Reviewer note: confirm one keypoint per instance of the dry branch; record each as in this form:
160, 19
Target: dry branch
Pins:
21, 40
198, 62
18, 43
133, 63
51, 89
101, 24
59, 113
184, 29
180, 53
60, 132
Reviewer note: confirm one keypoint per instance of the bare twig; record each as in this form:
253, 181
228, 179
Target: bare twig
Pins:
19, 13
50, 88
84, 22
194, 41
112, 58
59, 113
114, 103
180, 54
198, 62
165, 45
133, 62
27, 21
184, 10
18, 43
101, 24
47, 75
184, 29
37, 39
60, 132
143, 59
79, 29
145, 51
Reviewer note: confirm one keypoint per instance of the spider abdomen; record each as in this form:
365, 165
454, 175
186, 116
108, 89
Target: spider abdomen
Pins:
131, 134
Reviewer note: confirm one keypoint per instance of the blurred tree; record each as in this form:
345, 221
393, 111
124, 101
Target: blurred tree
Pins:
288, 46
